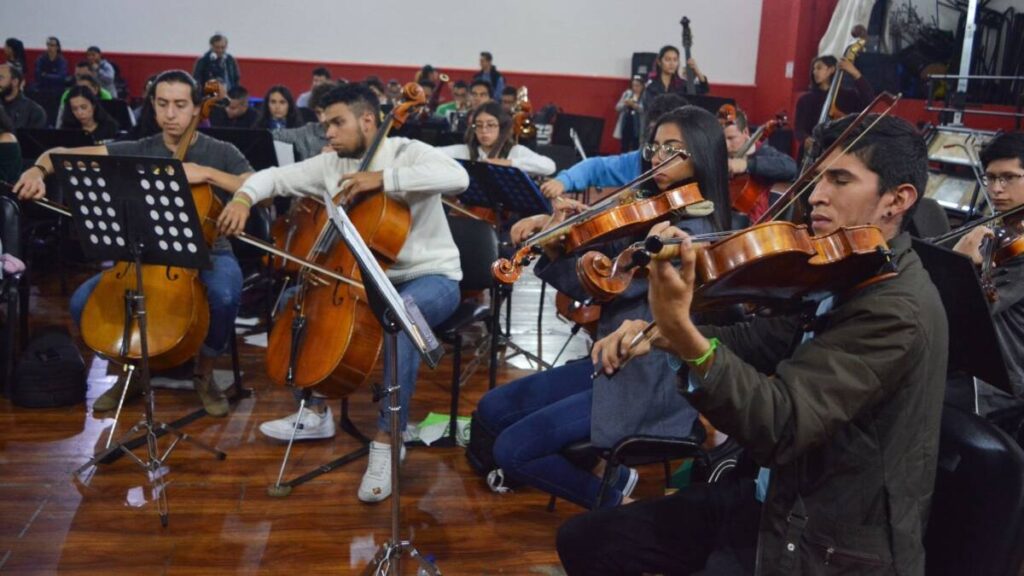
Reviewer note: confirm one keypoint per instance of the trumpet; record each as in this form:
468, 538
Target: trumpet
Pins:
442, 77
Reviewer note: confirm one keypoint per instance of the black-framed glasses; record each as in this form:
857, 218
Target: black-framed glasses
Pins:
663, 151
1004, 180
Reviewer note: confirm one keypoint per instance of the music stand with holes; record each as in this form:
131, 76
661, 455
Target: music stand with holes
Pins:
503, 188
137, 210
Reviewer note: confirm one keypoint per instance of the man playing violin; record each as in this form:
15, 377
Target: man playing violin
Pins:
175, 102
1003, 162
841, 407
763, 162
427, 269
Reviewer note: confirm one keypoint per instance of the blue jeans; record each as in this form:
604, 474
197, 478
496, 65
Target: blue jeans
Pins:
223, 290
436, 297
535, 417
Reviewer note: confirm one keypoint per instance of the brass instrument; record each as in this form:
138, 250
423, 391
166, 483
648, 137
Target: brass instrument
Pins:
522, 116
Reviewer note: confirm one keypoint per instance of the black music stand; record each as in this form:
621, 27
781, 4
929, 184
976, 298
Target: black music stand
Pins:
709, 103
503, 188
395, 314
257, 145
120, 111
973, 343
137, 210
35, 141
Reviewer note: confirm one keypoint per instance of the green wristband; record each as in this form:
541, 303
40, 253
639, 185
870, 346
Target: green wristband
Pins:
705, 356
241, 200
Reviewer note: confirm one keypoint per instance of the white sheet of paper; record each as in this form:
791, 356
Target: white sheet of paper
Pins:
257, 340
285, 153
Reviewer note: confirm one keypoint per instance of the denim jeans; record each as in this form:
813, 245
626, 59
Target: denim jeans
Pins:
223, 291
535, 417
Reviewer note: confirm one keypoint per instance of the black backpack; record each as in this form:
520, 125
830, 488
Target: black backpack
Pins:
480, 453
50, 373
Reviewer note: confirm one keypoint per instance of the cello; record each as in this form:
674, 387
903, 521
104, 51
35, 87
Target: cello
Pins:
176, 298
328, 336
691, 88
746, 193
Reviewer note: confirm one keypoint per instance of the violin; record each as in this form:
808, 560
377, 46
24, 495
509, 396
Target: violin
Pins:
748, 195
622, 214
1006, 243
586, 315
327, 336
757, 249
176, 300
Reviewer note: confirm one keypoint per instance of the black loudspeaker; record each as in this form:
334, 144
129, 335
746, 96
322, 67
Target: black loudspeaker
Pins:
588, 128
643, 63
881, 70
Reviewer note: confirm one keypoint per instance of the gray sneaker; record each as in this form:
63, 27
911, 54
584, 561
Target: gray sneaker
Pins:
214, 401
109, 399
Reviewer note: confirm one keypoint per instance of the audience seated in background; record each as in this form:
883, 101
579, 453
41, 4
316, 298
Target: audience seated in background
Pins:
279, 110
14, 51
310, 139
102, 69
480, 91
393, 91
51, 68
23, 113
377, 87
508, 99
10, 152
321, 75
490, 73
217, 64
237, 114
84, 112
84, 76
145, 118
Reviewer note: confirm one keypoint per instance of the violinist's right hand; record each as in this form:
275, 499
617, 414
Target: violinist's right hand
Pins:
31, 184
610, 352
553, 188
970, 244
234, 216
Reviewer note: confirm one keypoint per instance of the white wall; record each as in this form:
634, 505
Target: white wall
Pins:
589, 37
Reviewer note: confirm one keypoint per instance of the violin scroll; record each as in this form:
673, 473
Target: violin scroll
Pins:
508, 270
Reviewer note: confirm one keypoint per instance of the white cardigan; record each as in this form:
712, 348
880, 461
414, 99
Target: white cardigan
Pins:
413, 172
521, 157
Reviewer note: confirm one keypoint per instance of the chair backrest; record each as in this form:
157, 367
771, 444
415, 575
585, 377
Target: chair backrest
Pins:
478, 249
977, 518
10, 220
257, 226
929, 219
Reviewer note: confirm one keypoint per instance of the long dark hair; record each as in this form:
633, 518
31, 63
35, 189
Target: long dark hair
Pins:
829, 61
18, 47
99, 113
55, 40
661, 54
292, 119
705, 142
503, 145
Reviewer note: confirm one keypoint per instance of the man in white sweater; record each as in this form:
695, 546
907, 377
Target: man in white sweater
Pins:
427, 268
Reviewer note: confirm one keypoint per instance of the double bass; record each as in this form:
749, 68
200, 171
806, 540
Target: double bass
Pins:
176, 300
745, 193
327, 336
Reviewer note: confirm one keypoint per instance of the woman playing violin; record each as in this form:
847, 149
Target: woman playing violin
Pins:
489, 139
535, 417
842, 412
1003, 161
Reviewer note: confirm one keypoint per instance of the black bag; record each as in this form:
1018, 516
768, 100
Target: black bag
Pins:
50, 373
480, 453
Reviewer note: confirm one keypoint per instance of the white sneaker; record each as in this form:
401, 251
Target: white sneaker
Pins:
631, 482
376, 484
313, 426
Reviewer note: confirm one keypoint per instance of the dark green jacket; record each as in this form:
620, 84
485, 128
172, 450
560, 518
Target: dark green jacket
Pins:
848, 424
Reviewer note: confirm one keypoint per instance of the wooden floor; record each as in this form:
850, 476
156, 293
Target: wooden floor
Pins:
222, 520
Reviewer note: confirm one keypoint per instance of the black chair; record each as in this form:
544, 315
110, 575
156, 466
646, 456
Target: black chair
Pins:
13, 291
478, 248
929, 219
977, 517
258, 280
564, 156
637, 450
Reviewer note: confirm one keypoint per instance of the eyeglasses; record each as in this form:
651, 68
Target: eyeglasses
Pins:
1004, 180
663, 151
481, 127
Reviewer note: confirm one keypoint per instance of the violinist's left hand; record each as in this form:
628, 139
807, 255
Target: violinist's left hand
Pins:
355, 184
970, 244
671, 296
737, 166
195, 173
